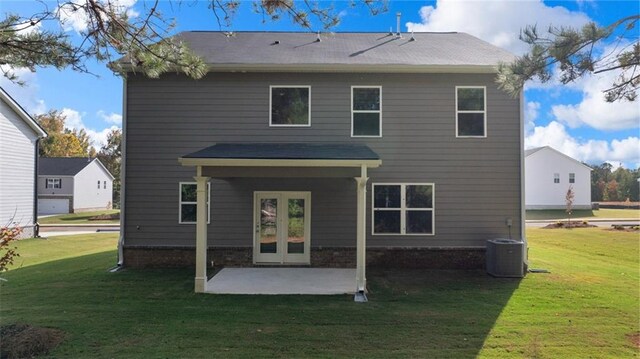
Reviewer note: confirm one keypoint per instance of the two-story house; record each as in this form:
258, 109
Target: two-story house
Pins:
549, 175
346, 150
19, 137
72, 185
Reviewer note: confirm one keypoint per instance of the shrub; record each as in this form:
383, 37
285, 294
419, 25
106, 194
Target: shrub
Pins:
7, 250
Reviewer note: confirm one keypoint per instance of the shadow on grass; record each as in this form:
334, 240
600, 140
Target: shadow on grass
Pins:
141, 313
552, 214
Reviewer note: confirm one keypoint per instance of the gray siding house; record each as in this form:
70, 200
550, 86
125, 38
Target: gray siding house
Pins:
351, 150
72, 185
19, 135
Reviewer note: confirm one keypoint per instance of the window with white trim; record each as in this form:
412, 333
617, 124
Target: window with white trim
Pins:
572, 178
471, 112
189, 203
556, 178
290, 106
98, 184
366, 111
104, 184
406, 209
53, 183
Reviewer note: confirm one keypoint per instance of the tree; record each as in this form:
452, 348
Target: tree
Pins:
569, 201
110, 155
611, 191
143, 42
576, 54
62, 142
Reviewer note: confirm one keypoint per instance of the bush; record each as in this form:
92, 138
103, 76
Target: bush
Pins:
7, 250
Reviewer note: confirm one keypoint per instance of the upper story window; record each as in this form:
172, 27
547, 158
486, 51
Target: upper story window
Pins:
290, 106
403, 209
53, 183
556, 178
189, 203
98, 184
104, 184
471, 113
572, 178
366, 111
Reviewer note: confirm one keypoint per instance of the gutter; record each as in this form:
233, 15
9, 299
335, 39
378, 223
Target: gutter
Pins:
523, 212
36, 226
123, 172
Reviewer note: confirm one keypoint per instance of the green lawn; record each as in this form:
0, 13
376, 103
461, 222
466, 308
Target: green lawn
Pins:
586, 307
584, 213
79, 218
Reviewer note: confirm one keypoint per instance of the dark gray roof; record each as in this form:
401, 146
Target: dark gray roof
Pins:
61, 166
286, 151
299, 48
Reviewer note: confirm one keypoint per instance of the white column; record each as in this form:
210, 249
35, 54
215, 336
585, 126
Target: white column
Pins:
361, 184
201, 233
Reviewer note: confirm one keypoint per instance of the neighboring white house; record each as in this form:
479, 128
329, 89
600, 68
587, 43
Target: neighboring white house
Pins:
548, 176
73, 184
19, 135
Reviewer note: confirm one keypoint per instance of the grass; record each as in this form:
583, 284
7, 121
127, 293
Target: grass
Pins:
585, 213
79, 218
586, 307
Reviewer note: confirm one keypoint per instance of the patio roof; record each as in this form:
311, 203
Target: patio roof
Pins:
283, 154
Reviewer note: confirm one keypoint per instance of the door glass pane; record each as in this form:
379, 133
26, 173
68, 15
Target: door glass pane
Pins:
295, 237
268, 225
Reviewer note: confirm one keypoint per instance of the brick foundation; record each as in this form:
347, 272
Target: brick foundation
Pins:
335, 257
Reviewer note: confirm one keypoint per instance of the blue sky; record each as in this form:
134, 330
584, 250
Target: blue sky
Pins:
574, 119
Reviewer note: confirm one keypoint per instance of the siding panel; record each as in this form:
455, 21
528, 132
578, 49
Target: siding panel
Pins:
477, 180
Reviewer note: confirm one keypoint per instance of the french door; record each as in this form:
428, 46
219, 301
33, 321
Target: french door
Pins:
282, 227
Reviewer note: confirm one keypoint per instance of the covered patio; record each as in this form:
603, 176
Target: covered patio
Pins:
282, 160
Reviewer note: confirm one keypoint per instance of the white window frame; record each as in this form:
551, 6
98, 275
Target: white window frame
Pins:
104, 184
271, 87
572, 178
99, 184
367, 111
180, 202
54, 183
403, 209
556, 178
484, 112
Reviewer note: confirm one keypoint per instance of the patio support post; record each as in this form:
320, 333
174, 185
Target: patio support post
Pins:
361, 281
201, 233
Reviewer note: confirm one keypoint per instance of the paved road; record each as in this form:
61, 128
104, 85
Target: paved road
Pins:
63, 230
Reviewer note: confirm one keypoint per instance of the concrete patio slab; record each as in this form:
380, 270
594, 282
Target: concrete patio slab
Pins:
316, 281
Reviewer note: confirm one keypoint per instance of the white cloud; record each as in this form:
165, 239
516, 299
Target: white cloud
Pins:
27, 28
76, 18
113, 118
531, 114
74, 121
591, 151
73, 17
594, 110
25, 95
498, 22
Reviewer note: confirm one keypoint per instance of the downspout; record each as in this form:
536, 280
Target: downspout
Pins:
523, 223
123, 169
36, 226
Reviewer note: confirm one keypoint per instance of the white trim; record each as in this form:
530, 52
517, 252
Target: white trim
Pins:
53, 183
15, 106
254, 162
367, 111
271, 87
403, 208
180, 203
484, 112
540, 149
282, 225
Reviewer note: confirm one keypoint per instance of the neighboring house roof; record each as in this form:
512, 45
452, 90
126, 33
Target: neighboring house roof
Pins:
531, 151
286, 151
446, 51
66, 166
15, 106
